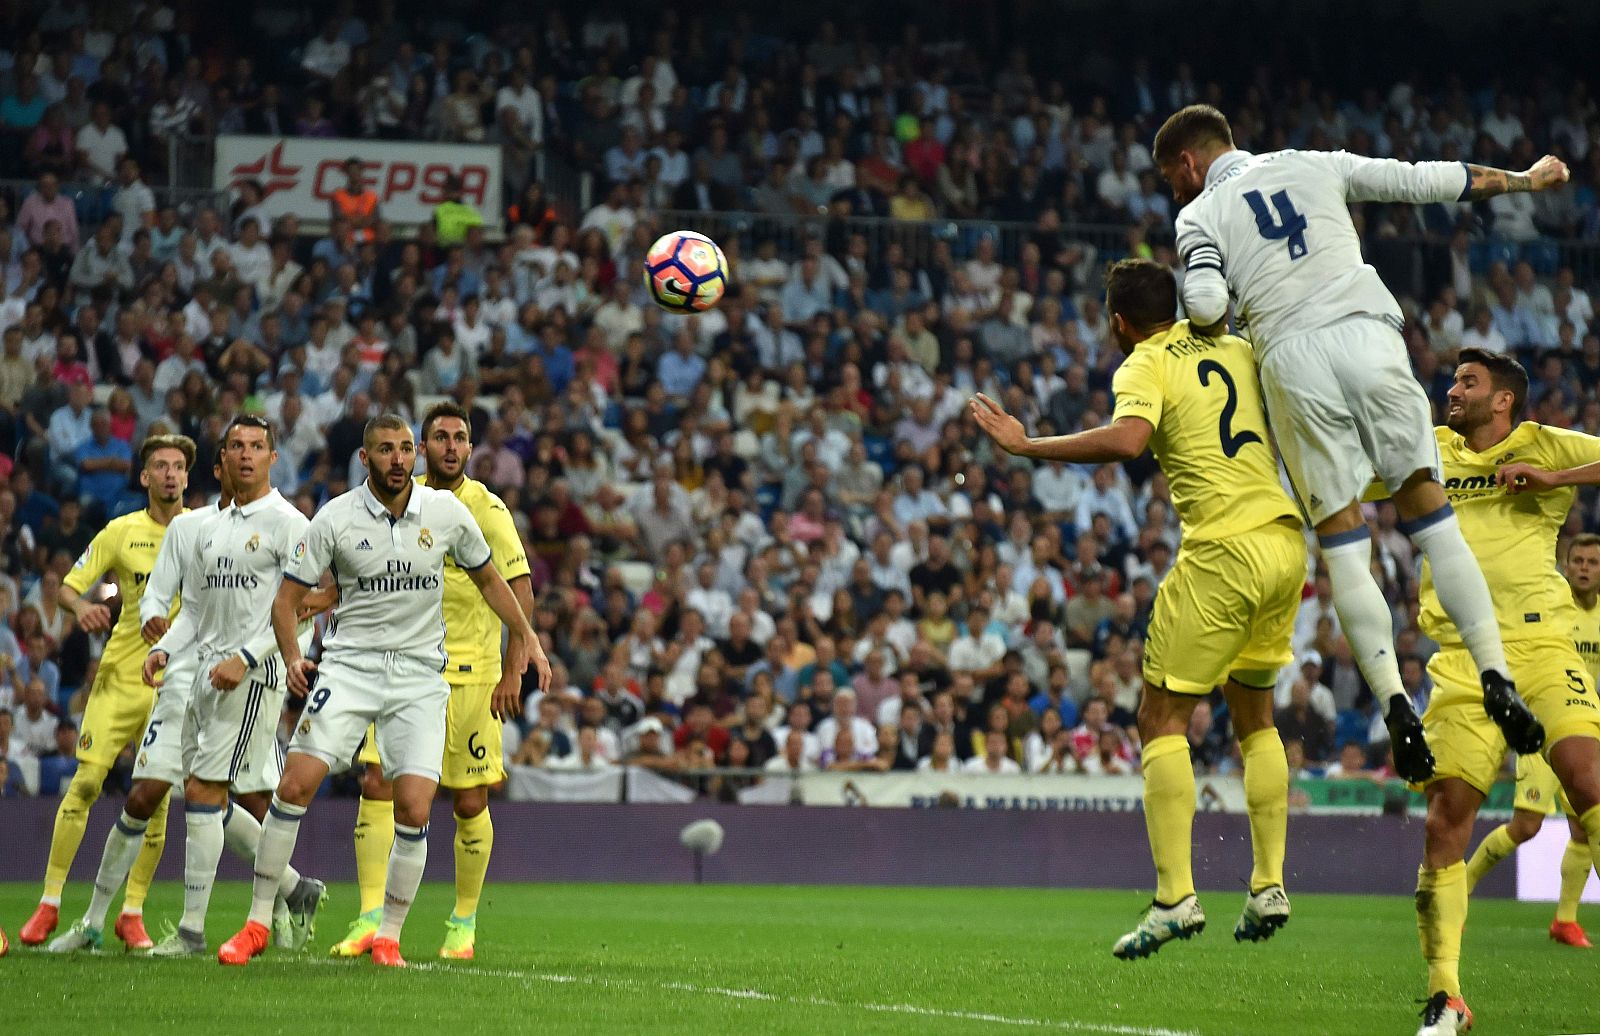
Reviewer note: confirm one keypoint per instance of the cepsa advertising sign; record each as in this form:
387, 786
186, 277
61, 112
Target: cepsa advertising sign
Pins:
298, 175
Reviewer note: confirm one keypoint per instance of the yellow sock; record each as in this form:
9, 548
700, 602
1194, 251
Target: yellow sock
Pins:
144, 867
474, 842
1169, 815
374, 840
1590, 821
1494, 848
1441, 915
1266, 797
1576, 863
72, 816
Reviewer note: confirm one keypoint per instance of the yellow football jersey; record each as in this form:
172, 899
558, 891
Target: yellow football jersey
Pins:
1202, 397
471, 628
127, 547
1513, 537
1586, 635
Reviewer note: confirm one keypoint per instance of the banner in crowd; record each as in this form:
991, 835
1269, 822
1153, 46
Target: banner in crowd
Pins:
536, 784
298, 175
1364, 797
923, 790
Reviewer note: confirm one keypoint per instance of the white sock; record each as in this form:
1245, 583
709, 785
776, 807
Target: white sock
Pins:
1363, 613
406, 860
202, 849
241, 833
276, 845
1459, 582
123, 843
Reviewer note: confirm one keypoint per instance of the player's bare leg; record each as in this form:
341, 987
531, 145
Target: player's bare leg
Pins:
473, 845
1266, 793
1426, 517
302, 775
413, 802
374, 842
1442, 902
1169, 804
1364, 617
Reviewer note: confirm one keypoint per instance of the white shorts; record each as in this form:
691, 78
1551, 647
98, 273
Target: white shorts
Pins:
237, 730
404, 697
1343, 404
168, 744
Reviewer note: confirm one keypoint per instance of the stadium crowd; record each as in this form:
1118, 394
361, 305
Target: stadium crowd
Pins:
767, 536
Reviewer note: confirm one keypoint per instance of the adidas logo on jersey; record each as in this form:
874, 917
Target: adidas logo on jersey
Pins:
363, 545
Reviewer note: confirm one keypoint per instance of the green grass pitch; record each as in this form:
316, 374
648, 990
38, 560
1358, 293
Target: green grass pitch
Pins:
714, 959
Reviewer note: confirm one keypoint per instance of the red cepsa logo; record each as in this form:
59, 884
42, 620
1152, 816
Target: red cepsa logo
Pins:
395, 179
390, 180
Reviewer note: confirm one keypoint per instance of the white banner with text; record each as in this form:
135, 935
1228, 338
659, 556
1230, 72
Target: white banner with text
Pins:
298, 175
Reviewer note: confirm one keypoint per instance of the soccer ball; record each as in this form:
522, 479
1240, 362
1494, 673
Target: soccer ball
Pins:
685, 272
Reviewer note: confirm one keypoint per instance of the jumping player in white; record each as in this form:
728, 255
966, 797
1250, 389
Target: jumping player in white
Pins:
382, 663
1273, 233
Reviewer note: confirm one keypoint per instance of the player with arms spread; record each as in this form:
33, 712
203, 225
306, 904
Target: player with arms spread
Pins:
1538, 792
1225, 613
119, 702
1512, 532
481, 695
1273, 231
386, 542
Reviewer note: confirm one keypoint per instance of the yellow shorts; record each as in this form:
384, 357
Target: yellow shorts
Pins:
1538, 791
1551, 678
116, 714
1227, 604
472, 741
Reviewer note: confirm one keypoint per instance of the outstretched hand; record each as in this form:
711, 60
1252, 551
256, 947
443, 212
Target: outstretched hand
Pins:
1005, 430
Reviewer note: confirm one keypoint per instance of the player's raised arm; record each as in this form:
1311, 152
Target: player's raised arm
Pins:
1205, 287
1386, 179
499, 597
1123, 439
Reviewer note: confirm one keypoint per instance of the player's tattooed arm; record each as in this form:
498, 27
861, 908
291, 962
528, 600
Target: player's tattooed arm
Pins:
1484, 182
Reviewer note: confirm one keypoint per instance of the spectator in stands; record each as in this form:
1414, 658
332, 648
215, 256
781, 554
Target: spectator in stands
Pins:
35, 721
1301, 721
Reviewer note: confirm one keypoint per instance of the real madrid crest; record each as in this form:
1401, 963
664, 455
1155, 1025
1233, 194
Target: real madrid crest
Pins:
253, 544
425, 539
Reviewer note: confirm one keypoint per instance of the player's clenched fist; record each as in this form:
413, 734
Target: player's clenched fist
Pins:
225, 675
1548, 172
154, 662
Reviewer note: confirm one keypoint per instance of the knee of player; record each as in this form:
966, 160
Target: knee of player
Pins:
470, 802
1524, 825
145, 798
1450, 813
411, 813
1162, 713
85, 785
374, 787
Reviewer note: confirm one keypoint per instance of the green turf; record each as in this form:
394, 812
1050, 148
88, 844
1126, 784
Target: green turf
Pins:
633, 959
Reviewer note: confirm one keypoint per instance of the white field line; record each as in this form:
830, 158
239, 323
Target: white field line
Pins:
530, 977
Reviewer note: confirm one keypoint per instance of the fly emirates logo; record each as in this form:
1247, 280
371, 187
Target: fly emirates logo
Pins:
223, 577
397, 577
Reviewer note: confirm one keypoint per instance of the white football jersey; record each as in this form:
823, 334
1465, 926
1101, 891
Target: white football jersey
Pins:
232, 577
166, 577
390, 570
1277, 227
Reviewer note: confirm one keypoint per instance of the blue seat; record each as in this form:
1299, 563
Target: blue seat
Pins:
1544, 256
1351, 726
